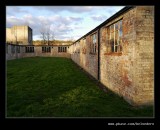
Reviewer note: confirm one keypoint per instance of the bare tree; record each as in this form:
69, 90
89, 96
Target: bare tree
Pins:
46, 34
43, 34
52, 37
71, 39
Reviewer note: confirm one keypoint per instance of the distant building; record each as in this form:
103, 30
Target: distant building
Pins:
21, 35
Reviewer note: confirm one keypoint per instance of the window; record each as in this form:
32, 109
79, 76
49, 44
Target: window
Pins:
13, 49
114, 37
18, 49
93, 43
62, 49
30, 49
46, 49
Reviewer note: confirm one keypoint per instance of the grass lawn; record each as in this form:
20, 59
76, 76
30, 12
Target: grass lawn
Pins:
56, 87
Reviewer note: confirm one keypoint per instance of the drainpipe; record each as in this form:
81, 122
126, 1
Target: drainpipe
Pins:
98, 54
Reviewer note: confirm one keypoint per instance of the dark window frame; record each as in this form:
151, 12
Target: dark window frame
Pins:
18, 49
93, 44
46, 49
29, 49
13, 49
62, 49
114, 37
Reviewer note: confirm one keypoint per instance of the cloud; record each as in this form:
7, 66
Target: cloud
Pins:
98, 17
10, 10
111, 10
12, 20
77, 9
73, 9
61, 23
65, 20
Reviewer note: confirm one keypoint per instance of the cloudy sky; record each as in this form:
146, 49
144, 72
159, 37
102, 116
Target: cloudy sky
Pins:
66, 22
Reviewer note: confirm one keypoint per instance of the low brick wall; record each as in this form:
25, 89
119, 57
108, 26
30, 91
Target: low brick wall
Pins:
12, 52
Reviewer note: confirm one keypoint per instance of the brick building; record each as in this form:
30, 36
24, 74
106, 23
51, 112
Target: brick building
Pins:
20, 51
119, 53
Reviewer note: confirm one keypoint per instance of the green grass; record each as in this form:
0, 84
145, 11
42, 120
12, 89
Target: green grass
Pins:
56, 87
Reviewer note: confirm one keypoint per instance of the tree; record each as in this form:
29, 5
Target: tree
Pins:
43, 34
47, 34
52, 37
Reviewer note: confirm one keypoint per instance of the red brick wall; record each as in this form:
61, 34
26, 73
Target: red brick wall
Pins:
130, 72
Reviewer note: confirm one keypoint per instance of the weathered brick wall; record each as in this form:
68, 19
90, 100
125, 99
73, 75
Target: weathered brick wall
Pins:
117, 70
83, 54
85, 59
144, 55
9, 54
130, 74
92, 59
37, 52
75, 56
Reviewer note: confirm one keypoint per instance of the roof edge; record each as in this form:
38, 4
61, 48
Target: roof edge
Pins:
123, 10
